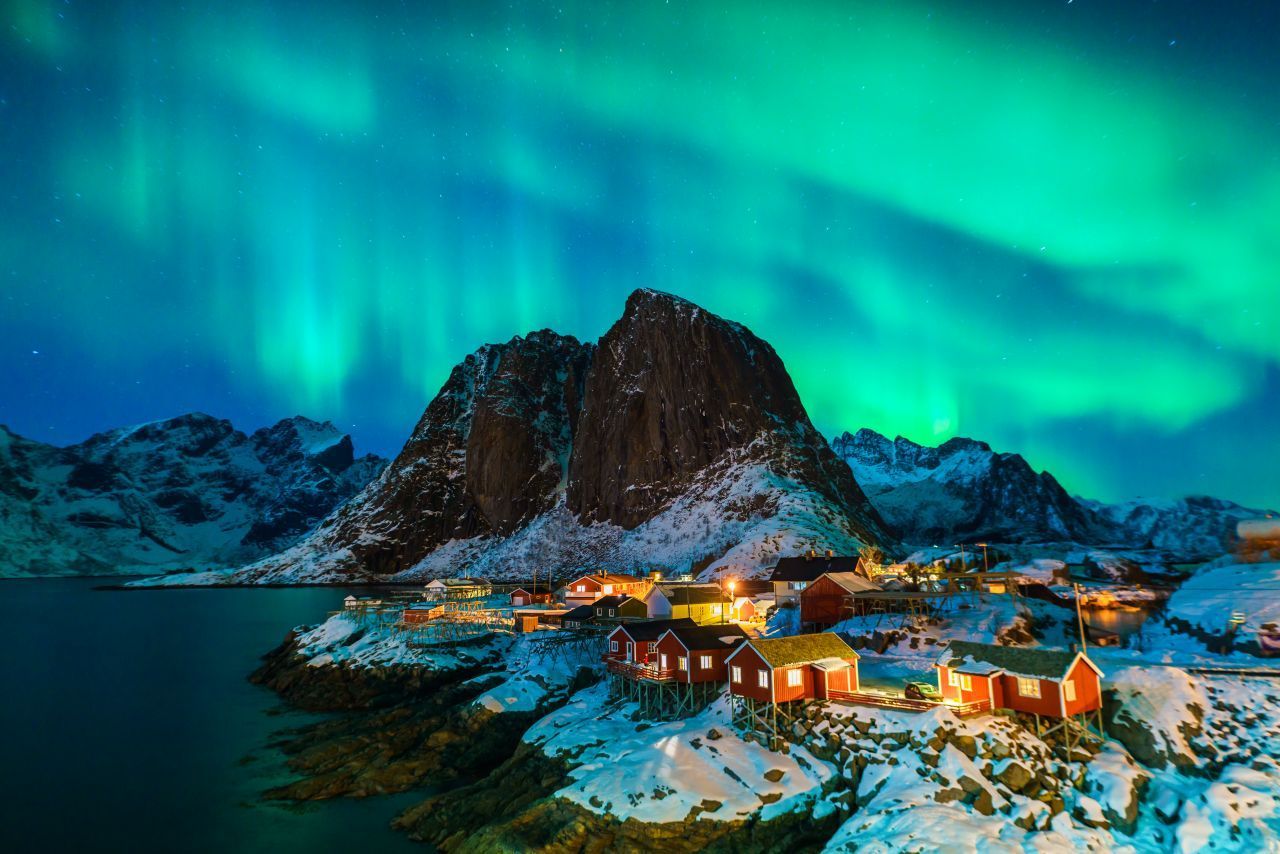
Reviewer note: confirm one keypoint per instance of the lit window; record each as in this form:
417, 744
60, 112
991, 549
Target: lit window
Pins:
704, 661
735, 673
1069, 690
794, 679
581, 588
715, 609
966, 683
613, 646
682, 663
762, 678
608, 588
662, 661
953, 679
1028, 687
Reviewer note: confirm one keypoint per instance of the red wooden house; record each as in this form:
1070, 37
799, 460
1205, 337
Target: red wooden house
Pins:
784, 670
588, 588
1049, 683
694, 655
636, 643
532, 594
829, 598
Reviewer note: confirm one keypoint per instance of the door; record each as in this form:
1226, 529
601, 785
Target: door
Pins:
631, 651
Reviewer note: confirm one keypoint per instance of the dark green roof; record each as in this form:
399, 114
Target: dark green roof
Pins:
708, 637
1015, 660
782, 652
699, 595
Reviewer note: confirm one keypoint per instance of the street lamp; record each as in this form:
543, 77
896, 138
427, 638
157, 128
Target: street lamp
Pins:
731, 583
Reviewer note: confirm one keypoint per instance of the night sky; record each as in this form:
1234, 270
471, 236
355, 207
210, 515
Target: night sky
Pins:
1054, 226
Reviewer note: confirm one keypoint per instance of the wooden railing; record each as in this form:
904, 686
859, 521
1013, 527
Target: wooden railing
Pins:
890, 702
636, 670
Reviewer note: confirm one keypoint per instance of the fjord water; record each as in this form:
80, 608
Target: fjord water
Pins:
128, 724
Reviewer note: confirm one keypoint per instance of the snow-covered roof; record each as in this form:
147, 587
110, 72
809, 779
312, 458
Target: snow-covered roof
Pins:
982, 659
852, 582
831, 664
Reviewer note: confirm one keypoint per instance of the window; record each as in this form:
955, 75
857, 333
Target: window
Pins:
966, 682
762, 678
715, 609
682, 663
1069, 690
613, 646
612, 611
608, 588
735, 673
794, 679
1028, 687
662, 661
799, 585
652, 647
704, 661
953, 679
581, 588
599, 612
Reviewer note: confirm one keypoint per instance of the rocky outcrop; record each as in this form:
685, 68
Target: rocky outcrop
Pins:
488, 454
184, 493
673, 391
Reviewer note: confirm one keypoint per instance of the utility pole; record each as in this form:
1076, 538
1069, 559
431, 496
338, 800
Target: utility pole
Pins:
964, 563
1084, 644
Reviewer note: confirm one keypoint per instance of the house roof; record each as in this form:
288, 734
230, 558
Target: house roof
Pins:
580, 614
699, 594
851, 582
708, 637
801, 649
750, 586
607, 578
651, 630
533, 588
806, 568
983, 659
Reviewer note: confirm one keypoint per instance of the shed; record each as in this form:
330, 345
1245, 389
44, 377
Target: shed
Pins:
619, 607
638, 641
697, 654
532, 594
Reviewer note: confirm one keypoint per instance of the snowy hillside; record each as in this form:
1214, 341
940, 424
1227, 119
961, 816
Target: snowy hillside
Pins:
188, 492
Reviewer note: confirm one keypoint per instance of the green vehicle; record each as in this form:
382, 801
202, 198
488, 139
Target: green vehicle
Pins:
921, 691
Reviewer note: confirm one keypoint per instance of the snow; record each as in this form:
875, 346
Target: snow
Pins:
345, 640
1208, 599
661, 773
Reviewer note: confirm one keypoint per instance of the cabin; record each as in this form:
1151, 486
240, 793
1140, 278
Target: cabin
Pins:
829, 599
618, 609
532, 594
790, 669
1046, 683
588, 588
695, 655
702, 603
793, 574
769, 676
743, 609
637, 643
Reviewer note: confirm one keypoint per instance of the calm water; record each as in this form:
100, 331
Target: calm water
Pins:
126, 719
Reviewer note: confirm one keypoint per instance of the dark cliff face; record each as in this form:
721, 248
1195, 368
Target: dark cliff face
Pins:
675, 389
487, 455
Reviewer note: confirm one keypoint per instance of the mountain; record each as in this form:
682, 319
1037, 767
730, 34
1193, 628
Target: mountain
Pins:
1194, 527
677, 441
963, 490
188, 492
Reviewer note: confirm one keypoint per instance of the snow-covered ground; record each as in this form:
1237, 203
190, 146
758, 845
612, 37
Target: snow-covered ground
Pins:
667, 772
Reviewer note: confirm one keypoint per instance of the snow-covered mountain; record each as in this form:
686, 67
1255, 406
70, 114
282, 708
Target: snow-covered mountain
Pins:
677, 441
962, 489
188, 492
1197, 526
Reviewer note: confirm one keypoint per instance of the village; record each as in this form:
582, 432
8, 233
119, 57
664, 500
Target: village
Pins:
673, 646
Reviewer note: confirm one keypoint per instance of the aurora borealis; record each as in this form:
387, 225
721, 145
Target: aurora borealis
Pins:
1051, 226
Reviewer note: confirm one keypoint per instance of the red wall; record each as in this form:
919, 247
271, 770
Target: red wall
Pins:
979, 688
750, 662
673, 649
1047, 704
1088, 689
